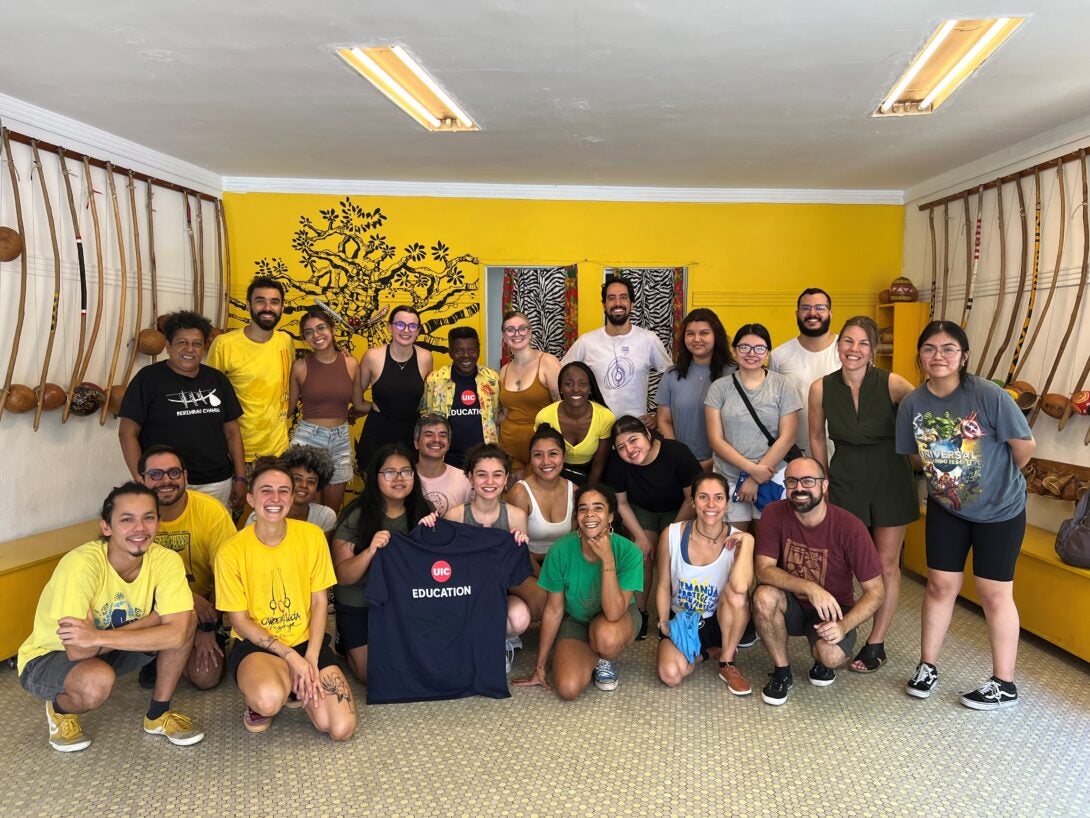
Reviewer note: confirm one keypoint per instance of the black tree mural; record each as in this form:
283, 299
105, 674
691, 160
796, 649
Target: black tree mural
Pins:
352, 268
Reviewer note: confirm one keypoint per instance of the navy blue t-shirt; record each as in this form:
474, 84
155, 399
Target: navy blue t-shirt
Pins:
438, 614
464, 418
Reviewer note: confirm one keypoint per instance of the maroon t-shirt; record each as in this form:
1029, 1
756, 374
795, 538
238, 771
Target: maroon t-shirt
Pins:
829, 554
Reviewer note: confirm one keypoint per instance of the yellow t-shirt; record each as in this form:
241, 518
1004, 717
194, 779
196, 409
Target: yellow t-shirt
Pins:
274, 583
196, 537
601, 423
84, 580
259, 373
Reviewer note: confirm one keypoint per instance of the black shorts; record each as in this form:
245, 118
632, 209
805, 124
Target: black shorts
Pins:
800, 621
352, 626
243, 648
995, 546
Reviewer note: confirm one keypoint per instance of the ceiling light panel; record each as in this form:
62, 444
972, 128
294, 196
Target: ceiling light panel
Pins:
952, 53
404, 81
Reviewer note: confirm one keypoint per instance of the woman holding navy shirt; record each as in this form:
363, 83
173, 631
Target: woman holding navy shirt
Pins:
971, 440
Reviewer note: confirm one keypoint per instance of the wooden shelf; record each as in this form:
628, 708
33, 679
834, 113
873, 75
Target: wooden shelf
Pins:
907, 319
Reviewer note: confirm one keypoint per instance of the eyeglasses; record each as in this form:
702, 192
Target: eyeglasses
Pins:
158, 474
805, 482
745, 349
820, 309
521, 330
390, 475
401, 326
310, 332
946, 351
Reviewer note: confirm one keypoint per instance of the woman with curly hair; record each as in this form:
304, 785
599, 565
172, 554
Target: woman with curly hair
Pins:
311, 469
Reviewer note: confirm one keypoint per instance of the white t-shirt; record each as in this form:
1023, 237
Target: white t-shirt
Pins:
621, 364
802, 368
322, 516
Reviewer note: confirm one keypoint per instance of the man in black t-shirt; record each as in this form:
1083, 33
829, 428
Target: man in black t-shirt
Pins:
190, 407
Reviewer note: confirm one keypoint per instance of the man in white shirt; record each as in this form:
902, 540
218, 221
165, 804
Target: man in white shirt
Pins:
620, 355
809, 356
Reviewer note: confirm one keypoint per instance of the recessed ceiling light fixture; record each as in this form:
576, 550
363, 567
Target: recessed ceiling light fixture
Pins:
396, 74
954, 51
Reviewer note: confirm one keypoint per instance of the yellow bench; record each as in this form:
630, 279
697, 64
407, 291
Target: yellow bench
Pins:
25, 567
1053, 598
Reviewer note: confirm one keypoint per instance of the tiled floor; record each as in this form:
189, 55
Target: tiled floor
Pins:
859, 747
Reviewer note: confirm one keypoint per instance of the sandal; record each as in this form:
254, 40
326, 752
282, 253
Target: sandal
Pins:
871, 656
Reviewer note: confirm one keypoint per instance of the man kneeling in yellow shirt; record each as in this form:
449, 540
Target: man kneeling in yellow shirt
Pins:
109, 606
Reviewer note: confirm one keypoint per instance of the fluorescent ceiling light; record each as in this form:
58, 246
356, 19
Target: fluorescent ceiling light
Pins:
405, 83
953, 52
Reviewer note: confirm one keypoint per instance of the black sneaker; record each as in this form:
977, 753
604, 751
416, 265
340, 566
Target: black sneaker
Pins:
775, 692
749, 636
821, 676
923, 683
643, 627
148, 674
992, 695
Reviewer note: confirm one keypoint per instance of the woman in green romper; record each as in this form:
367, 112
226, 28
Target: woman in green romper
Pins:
866, 475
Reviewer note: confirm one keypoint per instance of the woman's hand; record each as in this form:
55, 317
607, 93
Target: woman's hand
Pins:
429, 521
760, 472
520, 537
537, 680
748, 492
380, 540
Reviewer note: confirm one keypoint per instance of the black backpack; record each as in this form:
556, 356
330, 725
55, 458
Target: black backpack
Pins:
1073, 538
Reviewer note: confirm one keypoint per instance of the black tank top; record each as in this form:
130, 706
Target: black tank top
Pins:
398, 390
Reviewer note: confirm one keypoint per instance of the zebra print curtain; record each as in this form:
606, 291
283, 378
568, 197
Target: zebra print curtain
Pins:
549, 298
659, 305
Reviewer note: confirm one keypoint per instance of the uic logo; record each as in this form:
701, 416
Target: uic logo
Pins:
440, 571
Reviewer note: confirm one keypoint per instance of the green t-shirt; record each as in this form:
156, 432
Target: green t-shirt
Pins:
567, 570
349, 530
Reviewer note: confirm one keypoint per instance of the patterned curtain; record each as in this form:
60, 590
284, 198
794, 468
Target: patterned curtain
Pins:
659, 305
549, 297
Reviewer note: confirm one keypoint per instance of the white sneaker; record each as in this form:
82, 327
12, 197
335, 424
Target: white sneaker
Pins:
605, 676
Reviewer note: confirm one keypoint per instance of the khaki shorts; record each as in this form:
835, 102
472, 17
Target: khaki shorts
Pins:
574, 629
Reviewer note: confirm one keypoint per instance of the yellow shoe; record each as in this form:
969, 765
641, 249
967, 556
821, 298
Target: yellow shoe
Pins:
65, 732
177, 727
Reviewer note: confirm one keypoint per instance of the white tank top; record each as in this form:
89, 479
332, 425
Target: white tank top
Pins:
696, 587
542, 533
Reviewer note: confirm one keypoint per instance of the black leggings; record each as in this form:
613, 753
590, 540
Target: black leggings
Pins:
995, 546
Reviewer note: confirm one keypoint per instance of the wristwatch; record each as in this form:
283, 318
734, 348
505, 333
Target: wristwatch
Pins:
206, 627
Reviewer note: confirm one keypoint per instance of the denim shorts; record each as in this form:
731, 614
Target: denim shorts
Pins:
337, 440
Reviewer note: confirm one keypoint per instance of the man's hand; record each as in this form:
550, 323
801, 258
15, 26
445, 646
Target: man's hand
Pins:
78, 633
238, 495
831, 632
824, 603
207, 651
205, 610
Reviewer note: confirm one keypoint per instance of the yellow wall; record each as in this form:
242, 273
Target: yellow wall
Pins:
746, 261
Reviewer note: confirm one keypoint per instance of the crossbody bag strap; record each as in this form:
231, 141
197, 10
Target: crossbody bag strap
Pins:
752, 411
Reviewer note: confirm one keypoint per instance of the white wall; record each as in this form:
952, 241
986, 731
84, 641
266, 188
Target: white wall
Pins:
61, 473
1066, 446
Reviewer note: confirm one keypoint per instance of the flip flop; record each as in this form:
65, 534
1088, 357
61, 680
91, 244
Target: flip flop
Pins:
872, 657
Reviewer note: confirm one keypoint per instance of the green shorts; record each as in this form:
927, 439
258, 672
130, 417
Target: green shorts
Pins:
574, 629
656, 521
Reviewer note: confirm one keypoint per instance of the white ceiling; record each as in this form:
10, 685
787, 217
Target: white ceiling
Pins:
690, 93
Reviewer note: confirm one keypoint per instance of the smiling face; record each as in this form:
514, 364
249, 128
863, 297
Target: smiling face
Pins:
710, 503
854, 348
617, 304
592, 515
941, 356
546, 459
133, 524
185, 351
271, 495
396, 478
633, 447
404, 327
169, 489
318, 333
305, 484
266, 307
805, 499
746, 352
814, 315
516, 332
574, 387
489, 478
700, 340
464, 353
433, 443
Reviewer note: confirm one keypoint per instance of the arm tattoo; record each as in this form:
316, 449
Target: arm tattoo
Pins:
335, 686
